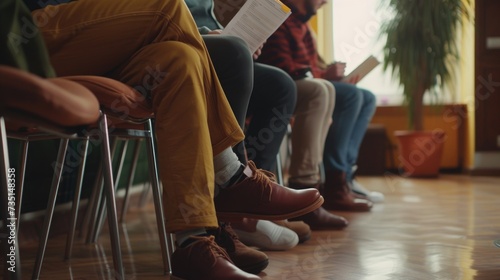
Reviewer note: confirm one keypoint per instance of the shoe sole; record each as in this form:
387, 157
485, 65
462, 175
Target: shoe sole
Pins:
340, 227
348, 209
255, 268
374, 199
237, 216
304, 238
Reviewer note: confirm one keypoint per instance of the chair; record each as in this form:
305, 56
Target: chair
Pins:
36, 109
132, 119
108, 92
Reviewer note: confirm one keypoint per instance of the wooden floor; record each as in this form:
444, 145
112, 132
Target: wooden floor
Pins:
427, 229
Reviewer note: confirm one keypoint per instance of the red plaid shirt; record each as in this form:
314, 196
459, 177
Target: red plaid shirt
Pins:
293, 46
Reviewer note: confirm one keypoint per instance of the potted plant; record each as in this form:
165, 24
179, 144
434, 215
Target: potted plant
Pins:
421, 52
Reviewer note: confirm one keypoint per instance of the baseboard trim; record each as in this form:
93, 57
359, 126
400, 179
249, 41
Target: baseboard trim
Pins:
485, 172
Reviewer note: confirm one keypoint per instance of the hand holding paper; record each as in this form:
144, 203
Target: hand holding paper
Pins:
362, 70
335, 71
256, 21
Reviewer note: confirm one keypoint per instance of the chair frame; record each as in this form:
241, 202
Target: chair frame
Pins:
45, 131
51, 130
95, 212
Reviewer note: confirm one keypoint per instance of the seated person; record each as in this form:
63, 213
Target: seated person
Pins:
308, 151
195, 127
293, 48
272, 99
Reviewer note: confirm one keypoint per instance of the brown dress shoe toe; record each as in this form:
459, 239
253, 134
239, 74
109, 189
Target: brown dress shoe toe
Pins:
204, 259
320, 219
257, 196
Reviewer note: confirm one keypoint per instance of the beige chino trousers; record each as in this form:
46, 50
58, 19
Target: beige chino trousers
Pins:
313, 117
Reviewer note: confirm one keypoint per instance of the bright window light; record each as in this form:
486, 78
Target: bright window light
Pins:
356, 25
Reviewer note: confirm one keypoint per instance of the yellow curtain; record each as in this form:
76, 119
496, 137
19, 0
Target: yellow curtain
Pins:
466, 80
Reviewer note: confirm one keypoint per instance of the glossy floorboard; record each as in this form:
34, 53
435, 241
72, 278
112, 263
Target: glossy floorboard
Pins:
427, 229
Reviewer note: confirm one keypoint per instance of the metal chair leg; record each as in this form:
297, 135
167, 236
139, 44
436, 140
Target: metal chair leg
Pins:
144, 195
91, 210
50, 207
109, 192
171, 242
130, 179
12, 267
98, 205
76, 201
279, 169
160, 218
20, 180
102, 210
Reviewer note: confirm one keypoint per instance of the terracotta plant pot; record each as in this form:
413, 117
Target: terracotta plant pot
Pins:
420, 152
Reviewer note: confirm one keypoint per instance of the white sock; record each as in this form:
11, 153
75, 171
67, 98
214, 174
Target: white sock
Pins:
226, 165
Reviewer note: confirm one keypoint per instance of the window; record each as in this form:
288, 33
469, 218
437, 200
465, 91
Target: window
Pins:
356, 25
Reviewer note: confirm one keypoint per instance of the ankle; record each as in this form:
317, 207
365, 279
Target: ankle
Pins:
294, 184
185, 238
226, 167
237, 177
305, 181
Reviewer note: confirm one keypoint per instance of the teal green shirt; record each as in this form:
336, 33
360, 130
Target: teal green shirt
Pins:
203, 14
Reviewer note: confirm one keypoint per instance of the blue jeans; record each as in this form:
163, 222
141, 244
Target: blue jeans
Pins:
354, 108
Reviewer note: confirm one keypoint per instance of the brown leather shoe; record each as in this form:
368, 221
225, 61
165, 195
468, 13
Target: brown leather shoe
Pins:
338, 195
302, 230
204, 259
320, 219
257, 196
245, 258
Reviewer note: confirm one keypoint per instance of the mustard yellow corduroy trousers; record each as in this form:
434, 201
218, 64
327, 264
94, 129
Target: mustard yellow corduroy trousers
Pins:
129, 40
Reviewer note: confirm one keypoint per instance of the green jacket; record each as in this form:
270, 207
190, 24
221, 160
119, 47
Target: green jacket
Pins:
21, 44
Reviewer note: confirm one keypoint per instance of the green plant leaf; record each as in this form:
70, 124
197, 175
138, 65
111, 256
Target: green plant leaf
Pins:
421, 47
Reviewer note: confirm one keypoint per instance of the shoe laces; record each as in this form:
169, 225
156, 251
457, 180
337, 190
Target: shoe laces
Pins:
215, 249
262, 177
225, 237
230, 232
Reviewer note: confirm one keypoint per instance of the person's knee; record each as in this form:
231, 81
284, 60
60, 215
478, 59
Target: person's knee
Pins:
230, 48
283, 86
330, 88
316, 90
273, 90
348, 95
234, 46
369, 98
174, 57
164, 63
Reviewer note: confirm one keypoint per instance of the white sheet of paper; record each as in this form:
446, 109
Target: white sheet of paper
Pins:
256, 21
363, 69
